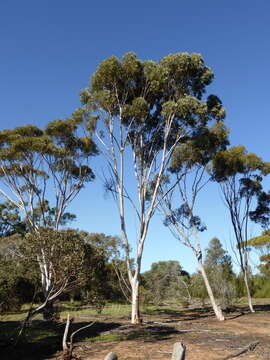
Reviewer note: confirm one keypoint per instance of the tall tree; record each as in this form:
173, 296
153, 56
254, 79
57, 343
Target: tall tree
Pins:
140, 111
37, 165
188, 171
240, 174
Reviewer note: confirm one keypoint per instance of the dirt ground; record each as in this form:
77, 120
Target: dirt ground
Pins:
204, 337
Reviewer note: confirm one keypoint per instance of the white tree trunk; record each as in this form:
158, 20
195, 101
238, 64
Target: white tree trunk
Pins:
248, 291
135, 310
46, 284
216, 308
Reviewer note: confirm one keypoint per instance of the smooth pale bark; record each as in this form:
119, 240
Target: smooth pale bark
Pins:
145, 173
46, 283
248, 292
244, 266
179, 351
216, 308
111, 356
64, 341
135, 305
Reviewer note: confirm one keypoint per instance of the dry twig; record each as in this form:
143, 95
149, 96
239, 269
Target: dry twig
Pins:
250, 347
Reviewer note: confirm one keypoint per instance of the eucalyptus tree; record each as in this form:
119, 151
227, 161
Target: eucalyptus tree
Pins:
240, 174
140, 111
37, 165
189, 172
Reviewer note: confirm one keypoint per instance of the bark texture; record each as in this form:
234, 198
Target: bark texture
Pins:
216, 308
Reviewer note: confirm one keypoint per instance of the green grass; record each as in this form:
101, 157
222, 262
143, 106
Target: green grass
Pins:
111, 310
13, 316
75, 310
125, 337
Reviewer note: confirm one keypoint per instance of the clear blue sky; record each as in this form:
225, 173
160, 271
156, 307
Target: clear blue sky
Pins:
50, 48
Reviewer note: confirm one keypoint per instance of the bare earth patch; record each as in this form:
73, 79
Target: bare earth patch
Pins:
204, 337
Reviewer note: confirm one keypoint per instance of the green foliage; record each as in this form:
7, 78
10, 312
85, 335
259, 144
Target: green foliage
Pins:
17, 281
166, 280
109, 246
216, 255
32, 160
143, 94
10, 220
109, 281
262, 243
83, 263
218, 266
261, 285
240, 175
240, 285
148, 110
261, 214
200, 149
197, 286
9, 246
237, 160
79, 262
63, 249
45, 215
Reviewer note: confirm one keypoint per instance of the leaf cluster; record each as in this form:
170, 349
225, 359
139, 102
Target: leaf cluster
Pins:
63, 251
143, 95
237, 160
185, 218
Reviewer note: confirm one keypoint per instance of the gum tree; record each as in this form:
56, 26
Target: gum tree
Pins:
188, 171
37, 165
140, 111
240, 174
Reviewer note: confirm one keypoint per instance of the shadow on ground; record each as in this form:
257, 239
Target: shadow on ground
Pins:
42, 339
185, 314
